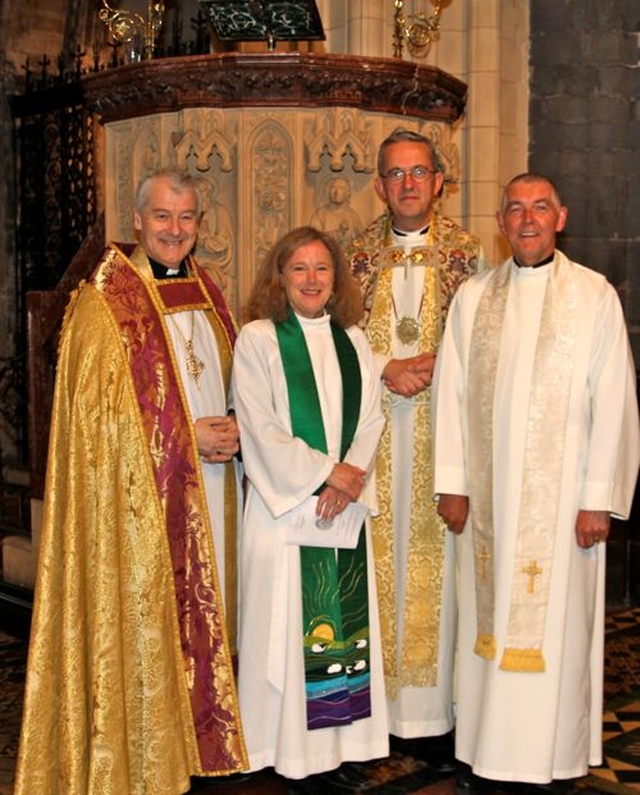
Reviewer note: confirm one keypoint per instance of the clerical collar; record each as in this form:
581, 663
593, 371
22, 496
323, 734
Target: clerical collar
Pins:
162, 272
400, 233
545, 261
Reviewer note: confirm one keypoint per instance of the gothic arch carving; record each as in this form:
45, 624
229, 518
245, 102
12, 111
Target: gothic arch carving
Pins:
340, 132
202, 135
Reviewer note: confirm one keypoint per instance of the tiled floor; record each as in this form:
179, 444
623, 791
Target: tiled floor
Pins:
402, 772
12, 671
622, 742
621, 726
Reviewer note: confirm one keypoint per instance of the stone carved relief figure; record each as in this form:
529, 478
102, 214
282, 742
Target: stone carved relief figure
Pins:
336, 216
216, 242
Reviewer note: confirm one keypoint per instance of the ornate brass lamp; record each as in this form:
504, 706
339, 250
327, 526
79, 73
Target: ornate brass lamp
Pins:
127, 26
418, 30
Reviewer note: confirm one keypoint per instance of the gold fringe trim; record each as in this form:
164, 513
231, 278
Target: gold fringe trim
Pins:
522, 660
485, 647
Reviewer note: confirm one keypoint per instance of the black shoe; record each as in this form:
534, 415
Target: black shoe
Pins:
202, 782
555, 787
348, 777
467, 783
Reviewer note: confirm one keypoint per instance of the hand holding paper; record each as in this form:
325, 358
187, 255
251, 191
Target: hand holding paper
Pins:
306, 528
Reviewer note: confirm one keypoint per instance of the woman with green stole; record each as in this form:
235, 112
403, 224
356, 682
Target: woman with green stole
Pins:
307, 402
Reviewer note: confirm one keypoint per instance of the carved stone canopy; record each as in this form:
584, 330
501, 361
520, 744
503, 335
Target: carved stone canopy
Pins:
288, 79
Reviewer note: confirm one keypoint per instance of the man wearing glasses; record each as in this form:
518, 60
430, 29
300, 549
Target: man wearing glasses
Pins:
409, 263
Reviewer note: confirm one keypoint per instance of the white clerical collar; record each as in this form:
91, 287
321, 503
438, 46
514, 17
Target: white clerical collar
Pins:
403, 233
410, 239
542, 262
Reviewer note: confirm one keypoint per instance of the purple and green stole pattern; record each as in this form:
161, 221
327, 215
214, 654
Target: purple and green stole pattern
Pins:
335, 610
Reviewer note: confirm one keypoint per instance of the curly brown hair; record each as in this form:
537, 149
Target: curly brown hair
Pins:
268, 298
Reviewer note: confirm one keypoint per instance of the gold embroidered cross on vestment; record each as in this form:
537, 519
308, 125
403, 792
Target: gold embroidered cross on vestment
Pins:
484, 556
533, 571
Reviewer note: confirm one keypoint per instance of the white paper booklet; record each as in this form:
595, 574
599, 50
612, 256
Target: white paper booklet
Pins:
306, 529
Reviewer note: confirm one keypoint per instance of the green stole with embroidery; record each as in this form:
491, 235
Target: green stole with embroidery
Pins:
335, 610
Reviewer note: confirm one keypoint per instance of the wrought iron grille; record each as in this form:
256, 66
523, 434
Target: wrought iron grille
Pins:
56, 185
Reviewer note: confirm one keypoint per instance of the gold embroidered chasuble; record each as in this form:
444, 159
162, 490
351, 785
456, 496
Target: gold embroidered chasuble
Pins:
449, 256
543, 462
130, 687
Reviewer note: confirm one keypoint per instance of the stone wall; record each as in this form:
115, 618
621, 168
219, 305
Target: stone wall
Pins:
584, 127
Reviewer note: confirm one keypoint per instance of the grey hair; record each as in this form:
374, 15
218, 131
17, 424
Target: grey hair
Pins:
528, 177
179, 181
398, 136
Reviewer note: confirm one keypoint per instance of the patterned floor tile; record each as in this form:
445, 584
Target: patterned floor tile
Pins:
619, 774
621, 720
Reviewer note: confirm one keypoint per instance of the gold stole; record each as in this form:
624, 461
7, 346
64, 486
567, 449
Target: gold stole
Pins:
419, 654
543, 463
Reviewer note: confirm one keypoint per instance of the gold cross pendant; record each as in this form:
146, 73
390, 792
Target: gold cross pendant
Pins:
195, 366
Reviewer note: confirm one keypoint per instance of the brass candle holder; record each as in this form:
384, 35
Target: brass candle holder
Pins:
128, 26
418, 30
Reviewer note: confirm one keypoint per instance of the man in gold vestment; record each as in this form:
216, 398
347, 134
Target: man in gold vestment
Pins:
130, 686
409, 262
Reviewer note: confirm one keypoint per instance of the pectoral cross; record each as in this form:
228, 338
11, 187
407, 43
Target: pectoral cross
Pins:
533, 570
195, 366
484, 556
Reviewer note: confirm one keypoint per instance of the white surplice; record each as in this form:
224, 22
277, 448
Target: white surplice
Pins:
282, 472
206, 398
538, 726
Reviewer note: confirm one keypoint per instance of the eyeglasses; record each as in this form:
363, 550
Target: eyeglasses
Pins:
418, 173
